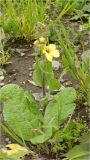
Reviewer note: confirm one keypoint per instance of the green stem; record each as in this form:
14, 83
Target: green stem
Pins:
43, 85
44, 91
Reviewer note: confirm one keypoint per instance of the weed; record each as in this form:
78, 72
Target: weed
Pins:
80, 70
19, 18
66, 138
4, 55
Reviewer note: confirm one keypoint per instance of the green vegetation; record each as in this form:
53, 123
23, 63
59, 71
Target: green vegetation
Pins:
80, 70
19, 18
53, 124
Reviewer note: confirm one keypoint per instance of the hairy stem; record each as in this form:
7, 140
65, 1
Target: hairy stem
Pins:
43, 85
44, 91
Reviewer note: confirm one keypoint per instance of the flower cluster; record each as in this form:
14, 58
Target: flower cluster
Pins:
49, 51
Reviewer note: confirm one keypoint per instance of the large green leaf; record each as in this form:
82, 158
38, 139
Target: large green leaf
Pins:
21, 113
42, 69
60, 107
56, 113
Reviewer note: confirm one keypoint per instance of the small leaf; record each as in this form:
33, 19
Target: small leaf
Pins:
38, 74
68, 67
86, 8
78, 153
76, 17
54, 84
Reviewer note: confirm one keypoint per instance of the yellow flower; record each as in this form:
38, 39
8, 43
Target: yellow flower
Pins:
14, 148
50, 51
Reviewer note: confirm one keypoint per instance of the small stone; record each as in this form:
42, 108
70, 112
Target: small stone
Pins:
1, 78
14, 74
62, 80
39, 96
23, 82
30, 69
30, 74
9, 81
68, 83
18, 50
7, 139
2, 84
56, 65
15, 71
30, 45
22, 54
31, 82
80, 28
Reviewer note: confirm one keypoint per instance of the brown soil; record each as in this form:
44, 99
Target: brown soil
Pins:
21, 67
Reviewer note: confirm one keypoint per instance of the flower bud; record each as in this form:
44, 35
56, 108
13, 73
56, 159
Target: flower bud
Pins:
42, 40
36, 42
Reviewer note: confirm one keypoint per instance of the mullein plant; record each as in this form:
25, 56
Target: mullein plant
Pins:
23, 119
43, 74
